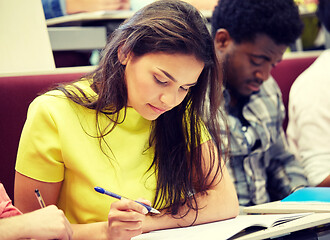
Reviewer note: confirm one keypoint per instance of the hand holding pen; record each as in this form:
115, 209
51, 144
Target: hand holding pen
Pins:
49, 222
126, 218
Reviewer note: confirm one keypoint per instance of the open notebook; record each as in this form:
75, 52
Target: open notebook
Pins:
316, 223
222, 230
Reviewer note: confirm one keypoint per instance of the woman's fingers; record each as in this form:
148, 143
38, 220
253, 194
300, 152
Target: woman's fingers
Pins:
125, 219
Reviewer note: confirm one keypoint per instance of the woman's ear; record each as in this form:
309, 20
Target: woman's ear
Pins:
222, 39
123, 57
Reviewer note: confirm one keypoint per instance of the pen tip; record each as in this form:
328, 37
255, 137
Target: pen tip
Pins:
99, 189
155, 211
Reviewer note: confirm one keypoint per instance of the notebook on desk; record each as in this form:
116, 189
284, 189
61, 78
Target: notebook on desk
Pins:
311, 221
303, 200
231, 229
309, 195
284, 207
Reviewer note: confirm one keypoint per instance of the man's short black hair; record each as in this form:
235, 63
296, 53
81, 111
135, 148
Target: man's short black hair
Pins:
244, 19
323, 13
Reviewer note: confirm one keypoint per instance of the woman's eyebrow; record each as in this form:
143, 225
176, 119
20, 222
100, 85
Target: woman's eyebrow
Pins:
173, 79
168, 75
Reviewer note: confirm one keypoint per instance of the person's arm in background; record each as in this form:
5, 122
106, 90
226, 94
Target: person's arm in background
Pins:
58, 8
312, 121
45, 223
309, 116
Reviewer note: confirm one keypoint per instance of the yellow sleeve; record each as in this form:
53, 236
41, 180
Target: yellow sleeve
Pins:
39, 155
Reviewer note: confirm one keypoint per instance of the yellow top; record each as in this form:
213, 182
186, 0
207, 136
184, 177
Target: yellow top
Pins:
58, 144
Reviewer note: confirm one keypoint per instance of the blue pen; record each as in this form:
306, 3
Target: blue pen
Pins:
111, 194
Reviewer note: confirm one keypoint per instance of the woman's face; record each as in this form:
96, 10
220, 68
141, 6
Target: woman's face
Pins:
157, 82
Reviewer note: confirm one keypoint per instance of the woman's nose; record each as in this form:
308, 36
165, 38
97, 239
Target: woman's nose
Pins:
169, 99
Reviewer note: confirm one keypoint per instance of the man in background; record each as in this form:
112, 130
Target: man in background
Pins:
250, 38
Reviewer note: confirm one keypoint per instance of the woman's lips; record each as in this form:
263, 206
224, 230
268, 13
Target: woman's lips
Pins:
157, 110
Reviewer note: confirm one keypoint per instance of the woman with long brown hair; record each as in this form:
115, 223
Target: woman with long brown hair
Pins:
133, 126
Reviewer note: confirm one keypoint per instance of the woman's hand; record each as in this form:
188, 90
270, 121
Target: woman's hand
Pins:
125, 219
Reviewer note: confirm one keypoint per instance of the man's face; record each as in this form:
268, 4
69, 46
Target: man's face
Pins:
248, 64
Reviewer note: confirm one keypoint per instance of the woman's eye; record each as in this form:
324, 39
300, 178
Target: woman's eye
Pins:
159, 81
